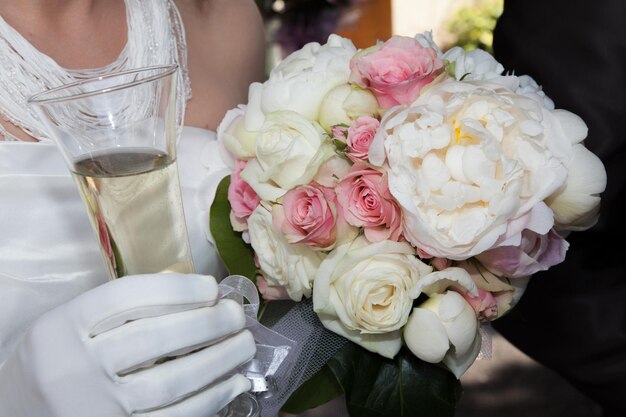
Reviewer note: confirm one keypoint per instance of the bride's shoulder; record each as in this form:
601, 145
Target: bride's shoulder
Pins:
226, 52
231, 31
240, 20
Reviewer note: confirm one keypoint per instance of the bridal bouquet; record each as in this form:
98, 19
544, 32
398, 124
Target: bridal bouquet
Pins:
411, 193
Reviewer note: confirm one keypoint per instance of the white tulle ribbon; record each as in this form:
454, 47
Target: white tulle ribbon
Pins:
276, 354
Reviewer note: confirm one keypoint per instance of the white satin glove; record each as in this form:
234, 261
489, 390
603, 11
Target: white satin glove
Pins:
97, 355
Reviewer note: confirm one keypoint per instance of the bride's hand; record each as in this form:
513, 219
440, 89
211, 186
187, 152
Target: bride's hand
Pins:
98, 355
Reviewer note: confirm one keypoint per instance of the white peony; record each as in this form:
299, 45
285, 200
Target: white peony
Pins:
479, 65
289, 151
528, 87
464, 160
364, 292
576, 204
286, 265
301, 80
445, 327
473, 65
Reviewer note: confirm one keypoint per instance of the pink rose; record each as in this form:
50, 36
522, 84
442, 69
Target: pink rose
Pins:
360, 136
308, 215
440, 263
243, 200
535, 253
271, 292
484, 304
366, 202
339, 132
423, 254
396, 71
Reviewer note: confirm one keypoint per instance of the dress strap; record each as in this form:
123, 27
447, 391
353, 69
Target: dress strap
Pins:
178, 34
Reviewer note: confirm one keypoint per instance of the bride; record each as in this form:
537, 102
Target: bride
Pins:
68, 338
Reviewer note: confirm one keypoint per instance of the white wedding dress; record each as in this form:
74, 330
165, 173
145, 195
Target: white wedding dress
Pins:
48, 250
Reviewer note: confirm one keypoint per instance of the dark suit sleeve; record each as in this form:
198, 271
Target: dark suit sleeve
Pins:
572, 318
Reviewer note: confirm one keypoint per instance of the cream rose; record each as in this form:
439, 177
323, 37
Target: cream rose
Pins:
286, 265
289, 151
364, 291
233, 136
301, 80
344, 104
464, 160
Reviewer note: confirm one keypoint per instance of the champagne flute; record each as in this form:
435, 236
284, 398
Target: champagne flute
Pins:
118, 135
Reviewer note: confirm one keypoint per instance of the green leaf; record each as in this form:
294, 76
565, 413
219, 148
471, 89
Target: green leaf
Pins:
450, 67
339, 145
237, 255
403, 387
319, 389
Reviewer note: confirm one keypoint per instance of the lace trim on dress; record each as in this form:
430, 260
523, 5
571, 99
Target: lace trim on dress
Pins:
178, 34
155, 37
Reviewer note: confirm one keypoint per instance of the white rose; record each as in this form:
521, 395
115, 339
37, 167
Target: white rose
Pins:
233, 136
445, 327
289, 151
291, 266
464, 160
346, 103
254, 117
364, 292
301, 80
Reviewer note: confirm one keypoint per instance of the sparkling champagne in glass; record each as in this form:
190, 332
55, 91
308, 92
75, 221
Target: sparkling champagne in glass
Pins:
118, 135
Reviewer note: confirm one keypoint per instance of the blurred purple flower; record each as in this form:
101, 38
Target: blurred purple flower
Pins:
304, 21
